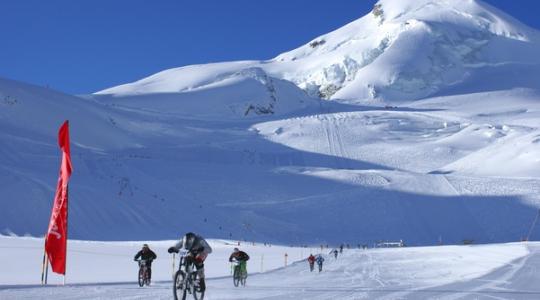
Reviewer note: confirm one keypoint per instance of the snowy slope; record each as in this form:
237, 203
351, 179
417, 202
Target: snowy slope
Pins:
107, 270
218, 91
366, 173
239, 150
106, 262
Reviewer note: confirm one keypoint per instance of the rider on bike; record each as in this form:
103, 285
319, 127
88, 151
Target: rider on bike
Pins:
311, 261
241, 257
320, 260
147, 255
198, 249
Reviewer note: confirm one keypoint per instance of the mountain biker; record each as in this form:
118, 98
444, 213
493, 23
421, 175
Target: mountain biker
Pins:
198, 249
319, 259
335, 252
146, 255
242, 257
311, 261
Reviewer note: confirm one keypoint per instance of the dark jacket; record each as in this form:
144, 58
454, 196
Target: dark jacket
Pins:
146, 255
199, 246
239, 256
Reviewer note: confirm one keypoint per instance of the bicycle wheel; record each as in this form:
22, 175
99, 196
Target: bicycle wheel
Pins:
179, 288
198, 293
236, 276
141, 277
147, 278
243, 279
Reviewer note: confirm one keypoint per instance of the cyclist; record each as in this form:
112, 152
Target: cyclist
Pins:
242, 257
198, 249
320, 261
147, 255
335, 252
311, 261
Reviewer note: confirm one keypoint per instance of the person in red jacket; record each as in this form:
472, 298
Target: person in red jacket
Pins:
311, 261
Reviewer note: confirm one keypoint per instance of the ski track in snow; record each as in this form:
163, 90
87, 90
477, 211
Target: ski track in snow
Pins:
506, 271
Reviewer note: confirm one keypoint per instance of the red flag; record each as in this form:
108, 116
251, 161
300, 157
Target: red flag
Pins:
56, 238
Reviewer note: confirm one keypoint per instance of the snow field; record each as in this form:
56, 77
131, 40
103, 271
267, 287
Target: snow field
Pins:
106, 262
108, 272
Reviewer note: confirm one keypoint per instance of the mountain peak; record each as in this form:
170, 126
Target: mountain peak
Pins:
411, 49
452, 11
401, 50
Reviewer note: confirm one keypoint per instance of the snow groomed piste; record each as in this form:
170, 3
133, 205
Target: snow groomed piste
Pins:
105, 270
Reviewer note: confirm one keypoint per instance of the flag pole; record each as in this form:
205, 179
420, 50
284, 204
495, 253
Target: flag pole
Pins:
67, 214
45, 262
47, 270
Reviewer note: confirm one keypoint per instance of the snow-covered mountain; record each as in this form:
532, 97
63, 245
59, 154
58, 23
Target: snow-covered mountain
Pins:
430, 134
412, 49
402, 50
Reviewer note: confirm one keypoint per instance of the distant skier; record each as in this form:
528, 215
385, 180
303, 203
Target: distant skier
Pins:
198, 249
320, 260
311, 261
341, 248
147, 255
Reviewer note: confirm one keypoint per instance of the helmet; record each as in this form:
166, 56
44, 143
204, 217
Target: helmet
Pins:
236, 249
145, 246
188, 240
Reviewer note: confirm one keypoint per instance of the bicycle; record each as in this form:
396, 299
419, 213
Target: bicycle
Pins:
239, 277
185, 279
144, 278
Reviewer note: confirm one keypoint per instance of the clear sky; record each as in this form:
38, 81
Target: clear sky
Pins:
82, 46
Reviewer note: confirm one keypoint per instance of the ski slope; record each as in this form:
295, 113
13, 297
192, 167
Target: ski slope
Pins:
106, 271
418, 121
456, 168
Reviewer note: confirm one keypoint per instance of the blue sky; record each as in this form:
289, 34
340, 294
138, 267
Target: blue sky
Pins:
82, 46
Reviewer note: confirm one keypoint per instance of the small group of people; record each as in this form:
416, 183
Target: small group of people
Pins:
197, 251
335, 251
315, 259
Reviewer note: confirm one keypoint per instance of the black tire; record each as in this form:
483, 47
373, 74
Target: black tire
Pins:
146, 279
236, 276
179, 291
141, 277
243, 279
198, 294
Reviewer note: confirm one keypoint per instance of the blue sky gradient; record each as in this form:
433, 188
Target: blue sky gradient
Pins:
82, 46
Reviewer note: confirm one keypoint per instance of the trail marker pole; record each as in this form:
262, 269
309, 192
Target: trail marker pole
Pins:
173, 263
532, 226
